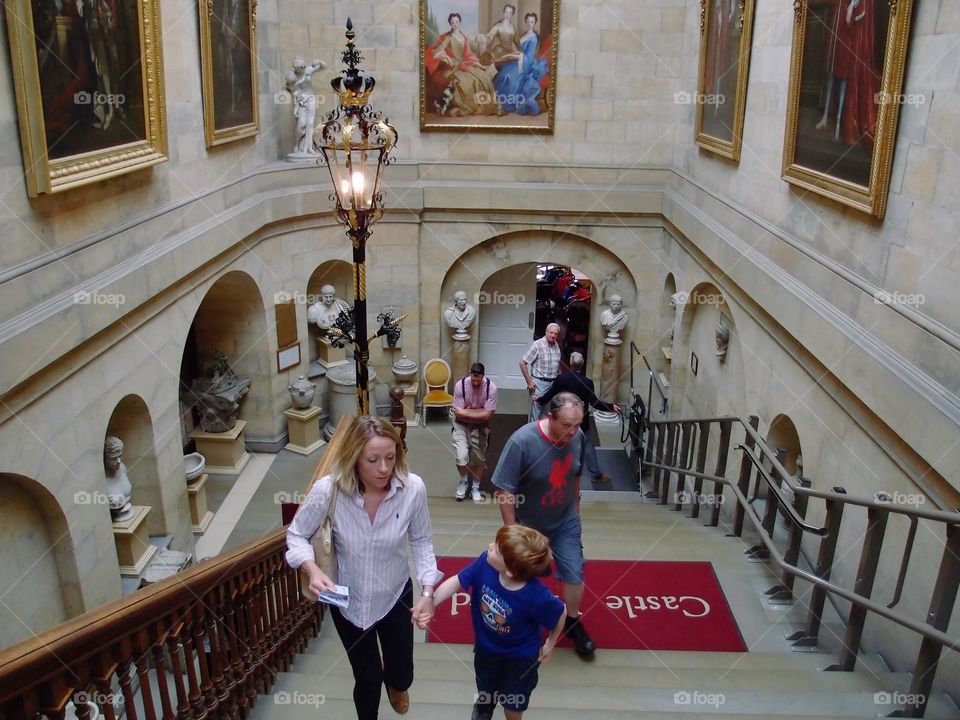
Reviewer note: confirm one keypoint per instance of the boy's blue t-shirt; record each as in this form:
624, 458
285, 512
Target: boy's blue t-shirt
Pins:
507, 622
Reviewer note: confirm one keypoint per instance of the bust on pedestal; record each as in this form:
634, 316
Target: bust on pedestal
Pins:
459, 317
614, 320
324, 314
118, 484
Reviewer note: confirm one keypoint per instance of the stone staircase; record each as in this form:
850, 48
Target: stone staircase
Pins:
767, 681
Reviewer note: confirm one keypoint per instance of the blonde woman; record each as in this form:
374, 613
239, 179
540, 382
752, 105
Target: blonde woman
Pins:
380, 511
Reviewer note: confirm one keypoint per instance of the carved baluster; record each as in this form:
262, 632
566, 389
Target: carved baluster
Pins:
163, 689
200, 642
237, 694
126, 687
261, 645
146, 692
197, 706
223, 679
183, 698
244, 639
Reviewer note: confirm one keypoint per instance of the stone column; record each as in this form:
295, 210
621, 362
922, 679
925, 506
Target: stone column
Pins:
609, 377
343, 394
461, 359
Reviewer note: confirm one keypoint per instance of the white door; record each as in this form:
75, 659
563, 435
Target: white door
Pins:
506, 306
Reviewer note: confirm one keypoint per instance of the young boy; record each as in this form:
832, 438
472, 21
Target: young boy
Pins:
508, 606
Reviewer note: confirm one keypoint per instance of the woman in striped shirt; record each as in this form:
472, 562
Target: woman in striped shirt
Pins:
380, 509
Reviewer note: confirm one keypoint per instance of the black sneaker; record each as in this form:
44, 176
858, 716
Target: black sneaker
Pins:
583, 644
482, 711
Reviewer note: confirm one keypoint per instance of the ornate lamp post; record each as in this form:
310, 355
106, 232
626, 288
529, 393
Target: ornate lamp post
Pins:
355, 142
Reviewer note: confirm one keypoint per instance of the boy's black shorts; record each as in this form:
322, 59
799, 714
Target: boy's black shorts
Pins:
505, 681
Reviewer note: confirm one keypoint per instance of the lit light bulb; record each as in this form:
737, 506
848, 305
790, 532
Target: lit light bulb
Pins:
357, 180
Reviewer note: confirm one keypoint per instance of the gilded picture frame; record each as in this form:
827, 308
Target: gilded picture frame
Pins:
726, 27
495, 71
228, 59
846, 80
88, 77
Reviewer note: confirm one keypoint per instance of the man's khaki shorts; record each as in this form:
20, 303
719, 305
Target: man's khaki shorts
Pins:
470, 443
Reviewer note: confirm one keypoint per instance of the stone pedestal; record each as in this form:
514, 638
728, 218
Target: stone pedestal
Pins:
460, 360
609, 373
343, 394
166, 563
133, 542
303, 427
330, 356
317, 374
225, 452
197, 495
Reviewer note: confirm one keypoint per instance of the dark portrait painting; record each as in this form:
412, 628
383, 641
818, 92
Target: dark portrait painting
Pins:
88, 76
725, 29
488, 64
845, 92
228, 54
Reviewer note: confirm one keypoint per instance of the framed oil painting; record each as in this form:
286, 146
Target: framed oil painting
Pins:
488, 65
725, 31
228, 57
846, 79
88, 76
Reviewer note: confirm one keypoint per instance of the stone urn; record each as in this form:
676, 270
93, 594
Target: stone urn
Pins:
302, 392
193, 465
405, 371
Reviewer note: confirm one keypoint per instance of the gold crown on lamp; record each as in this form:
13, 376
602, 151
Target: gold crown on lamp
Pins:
353, 88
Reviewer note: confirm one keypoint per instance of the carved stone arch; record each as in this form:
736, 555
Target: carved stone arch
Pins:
131, 422
40, 573
469, 271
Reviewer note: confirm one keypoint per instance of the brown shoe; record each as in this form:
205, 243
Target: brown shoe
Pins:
399, 700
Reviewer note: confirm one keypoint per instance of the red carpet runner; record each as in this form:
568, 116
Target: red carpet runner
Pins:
644, 605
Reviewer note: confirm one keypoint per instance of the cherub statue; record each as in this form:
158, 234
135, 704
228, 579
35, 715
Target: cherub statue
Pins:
300, 85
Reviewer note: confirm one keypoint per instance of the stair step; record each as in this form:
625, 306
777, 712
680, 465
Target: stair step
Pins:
558, 696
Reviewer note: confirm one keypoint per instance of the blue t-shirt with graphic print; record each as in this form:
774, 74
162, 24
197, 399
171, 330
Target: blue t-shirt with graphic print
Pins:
507, 622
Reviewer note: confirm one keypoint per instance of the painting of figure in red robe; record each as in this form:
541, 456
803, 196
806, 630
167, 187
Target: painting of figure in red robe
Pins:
841, 86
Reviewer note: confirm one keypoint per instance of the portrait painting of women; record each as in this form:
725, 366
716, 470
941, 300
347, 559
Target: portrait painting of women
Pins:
725, 28
488, 65
845, 93
79, 70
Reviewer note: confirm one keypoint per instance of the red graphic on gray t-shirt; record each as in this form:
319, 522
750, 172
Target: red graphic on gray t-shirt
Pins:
558, 482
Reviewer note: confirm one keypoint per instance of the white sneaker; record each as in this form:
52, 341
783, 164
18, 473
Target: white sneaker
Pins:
462, 489
476, 495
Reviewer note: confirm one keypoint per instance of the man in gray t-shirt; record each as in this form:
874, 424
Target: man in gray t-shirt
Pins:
538, 484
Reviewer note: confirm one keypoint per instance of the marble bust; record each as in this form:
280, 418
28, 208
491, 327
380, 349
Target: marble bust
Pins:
323, 314
614, 320
722, 336
460, 316
118, 484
